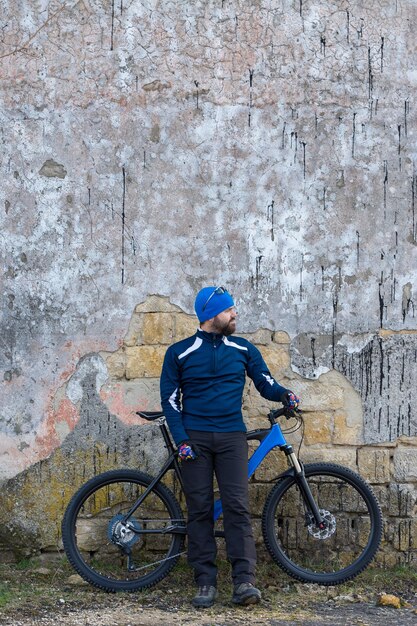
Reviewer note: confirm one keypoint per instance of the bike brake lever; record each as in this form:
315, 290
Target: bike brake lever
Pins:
289, 413
286, 411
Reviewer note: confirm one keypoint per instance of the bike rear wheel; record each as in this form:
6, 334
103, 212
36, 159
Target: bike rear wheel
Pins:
112, 554
353, 525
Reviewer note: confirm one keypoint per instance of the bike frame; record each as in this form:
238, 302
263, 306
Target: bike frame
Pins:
269, 439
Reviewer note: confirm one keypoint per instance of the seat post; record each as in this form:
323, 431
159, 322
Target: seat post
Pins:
166, 437
175, 465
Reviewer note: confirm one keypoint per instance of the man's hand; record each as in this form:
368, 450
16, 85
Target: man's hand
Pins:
186, 452
290, 400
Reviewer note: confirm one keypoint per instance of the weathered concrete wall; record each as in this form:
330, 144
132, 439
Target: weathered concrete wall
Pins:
153, 147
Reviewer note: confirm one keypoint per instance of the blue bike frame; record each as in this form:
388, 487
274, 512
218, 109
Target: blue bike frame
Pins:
273, 439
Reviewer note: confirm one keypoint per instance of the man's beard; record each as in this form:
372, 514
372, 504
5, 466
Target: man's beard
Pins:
225, 328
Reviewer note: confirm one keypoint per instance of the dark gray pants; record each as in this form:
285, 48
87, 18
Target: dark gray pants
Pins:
226, 456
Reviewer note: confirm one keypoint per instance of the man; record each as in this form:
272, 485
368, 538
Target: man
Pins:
202, 384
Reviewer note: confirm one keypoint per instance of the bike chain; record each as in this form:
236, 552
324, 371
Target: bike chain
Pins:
138, 569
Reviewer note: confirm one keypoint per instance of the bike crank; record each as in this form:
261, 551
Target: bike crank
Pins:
124, 534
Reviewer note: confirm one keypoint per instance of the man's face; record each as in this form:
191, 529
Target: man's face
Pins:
225, 322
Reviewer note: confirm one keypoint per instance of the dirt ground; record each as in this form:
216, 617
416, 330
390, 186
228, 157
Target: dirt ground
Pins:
33, 595
127, 612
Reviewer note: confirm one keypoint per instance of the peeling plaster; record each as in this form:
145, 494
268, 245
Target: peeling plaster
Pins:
270, 148
88, 364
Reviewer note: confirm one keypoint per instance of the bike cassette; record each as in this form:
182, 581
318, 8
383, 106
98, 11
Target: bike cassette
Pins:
123, 533
329, 526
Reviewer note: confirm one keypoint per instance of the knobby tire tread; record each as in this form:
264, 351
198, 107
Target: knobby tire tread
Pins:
295, 571
68, 538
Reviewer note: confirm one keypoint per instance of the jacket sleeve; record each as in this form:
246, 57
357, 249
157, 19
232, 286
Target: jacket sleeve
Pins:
170, 388
261, 376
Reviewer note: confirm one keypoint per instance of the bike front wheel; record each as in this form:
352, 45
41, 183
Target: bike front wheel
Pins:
352, 533
116, 550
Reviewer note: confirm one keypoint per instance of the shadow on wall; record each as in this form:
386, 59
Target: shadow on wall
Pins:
107, 389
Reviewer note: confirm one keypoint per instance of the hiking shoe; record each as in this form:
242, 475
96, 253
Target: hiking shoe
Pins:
205, 596
246, 593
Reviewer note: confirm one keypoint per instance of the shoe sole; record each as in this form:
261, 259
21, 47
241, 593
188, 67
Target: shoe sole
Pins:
203, 605
253, 598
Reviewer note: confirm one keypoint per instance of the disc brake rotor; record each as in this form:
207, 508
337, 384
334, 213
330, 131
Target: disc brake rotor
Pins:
328, 530
122, 533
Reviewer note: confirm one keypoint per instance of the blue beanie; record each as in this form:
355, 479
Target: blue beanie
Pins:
213, 303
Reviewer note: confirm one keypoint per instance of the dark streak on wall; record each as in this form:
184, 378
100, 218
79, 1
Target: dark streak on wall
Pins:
385, 368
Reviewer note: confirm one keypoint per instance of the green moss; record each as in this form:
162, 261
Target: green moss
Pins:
5, 595
24, 564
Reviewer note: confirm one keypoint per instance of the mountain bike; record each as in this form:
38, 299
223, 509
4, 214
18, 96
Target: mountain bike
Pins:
124, 530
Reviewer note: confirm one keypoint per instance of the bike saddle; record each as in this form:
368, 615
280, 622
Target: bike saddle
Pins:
150, 415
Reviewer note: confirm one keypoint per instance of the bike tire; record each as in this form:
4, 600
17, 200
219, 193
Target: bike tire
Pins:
354, 519
91, 522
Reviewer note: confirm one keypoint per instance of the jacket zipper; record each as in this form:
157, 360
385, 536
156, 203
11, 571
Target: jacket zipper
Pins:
214, 356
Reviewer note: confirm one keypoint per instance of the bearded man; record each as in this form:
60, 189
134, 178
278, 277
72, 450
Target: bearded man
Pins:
202, 383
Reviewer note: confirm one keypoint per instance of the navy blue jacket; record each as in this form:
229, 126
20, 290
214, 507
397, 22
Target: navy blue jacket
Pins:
202, 383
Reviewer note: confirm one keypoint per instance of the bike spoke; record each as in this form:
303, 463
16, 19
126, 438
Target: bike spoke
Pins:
118, 552
339, 548
303, 543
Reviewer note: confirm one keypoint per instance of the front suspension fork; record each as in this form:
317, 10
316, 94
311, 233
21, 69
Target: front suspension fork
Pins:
300, 477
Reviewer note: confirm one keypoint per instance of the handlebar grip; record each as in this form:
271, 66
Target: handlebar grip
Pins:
285, 410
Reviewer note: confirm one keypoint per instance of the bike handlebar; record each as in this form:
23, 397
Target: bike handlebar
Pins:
274, 414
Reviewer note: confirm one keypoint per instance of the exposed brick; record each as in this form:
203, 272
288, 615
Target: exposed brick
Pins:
144, 361
343, 434
405, 464
281, 337
116, 364
158, 328
318, 428
341, 456
272, 466
185, 326
261, 337
374, 464
402, 500
276, 357
134, 332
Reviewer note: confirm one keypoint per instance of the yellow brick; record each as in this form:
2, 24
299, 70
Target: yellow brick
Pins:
144, 361
257, 495
413, 534
261, 337
403, 535
275, 464
281, 337
158, 328
185, 326
344, 433
276, 357
316, 396
386, 332
387, 559
341, 456
374, 464
116, 364
317, 428
134, 333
